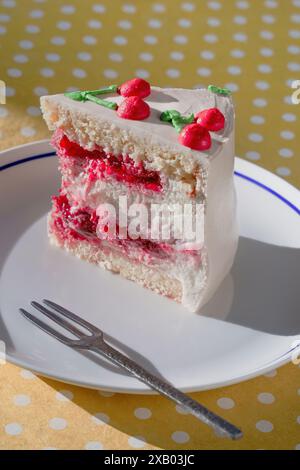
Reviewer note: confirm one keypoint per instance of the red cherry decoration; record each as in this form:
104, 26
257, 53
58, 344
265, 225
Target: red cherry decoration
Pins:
135, 87
134, 108
195, 137
212, 119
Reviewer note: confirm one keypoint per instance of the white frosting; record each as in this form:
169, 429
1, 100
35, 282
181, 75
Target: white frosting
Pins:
216, 182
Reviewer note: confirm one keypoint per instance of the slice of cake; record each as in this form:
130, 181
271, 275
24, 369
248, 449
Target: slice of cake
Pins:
133, 150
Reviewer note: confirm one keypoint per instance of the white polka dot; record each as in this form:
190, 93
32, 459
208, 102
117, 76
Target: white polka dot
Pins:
150, 39
293, 49
214, 5
268, 35
264, 426
3, 112
234, 70
128, 8
142, 73
89, 40
266, 398
120, 40
240, 37
188, 6
232, 86
271, 374
79, 73
21, 58
68, 9
138, 442
21, 400
9, 3
286, 153
298, 419
64, 395
237, 53
93, 445
52, 57
257, 120
156, 24
40, 91
260, 102
158, 8
184, 23
28, 131
181, 410
210, 38
4, 18
297, 447
287, 135
125, 24
33, 111
269, 19
271, 3
58, 41
94, 24
240, 19
283, 171
296, 3
14, 73
295, 18
204, 71
294, 66
106, 394
47, 72
213, 22
207, 55
99, 8
115, 57
146, 56
13, 429
36, 14
26, 44
32, 29
100, 418
180, 39
266, 52
180, 437
58, 424
84, 56
173, 73
10, 91
226, 403
255, 137
262, 85
298, 392
142, 413
3, 30
110, 73
252, 155
176, 55
63, 25
264, 68
289, 117
294, 33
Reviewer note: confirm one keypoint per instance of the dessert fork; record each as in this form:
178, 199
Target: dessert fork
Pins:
93, 340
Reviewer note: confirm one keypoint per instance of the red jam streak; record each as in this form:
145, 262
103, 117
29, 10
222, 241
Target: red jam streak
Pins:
81, 224
100, 165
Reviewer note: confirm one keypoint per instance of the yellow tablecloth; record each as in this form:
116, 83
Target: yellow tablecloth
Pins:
252, 47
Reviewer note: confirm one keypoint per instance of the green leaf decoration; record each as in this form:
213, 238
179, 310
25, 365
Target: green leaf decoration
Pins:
92, 95
177, 120
219, 91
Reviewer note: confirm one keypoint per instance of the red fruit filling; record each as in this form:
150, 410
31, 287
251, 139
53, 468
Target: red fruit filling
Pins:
135, 87
99, 165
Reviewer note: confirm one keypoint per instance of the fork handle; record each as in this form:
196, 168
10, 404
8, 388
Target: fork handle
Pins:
166, 389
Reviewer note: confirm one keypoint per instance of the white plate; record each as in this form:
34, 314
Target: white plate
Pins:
250, 327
